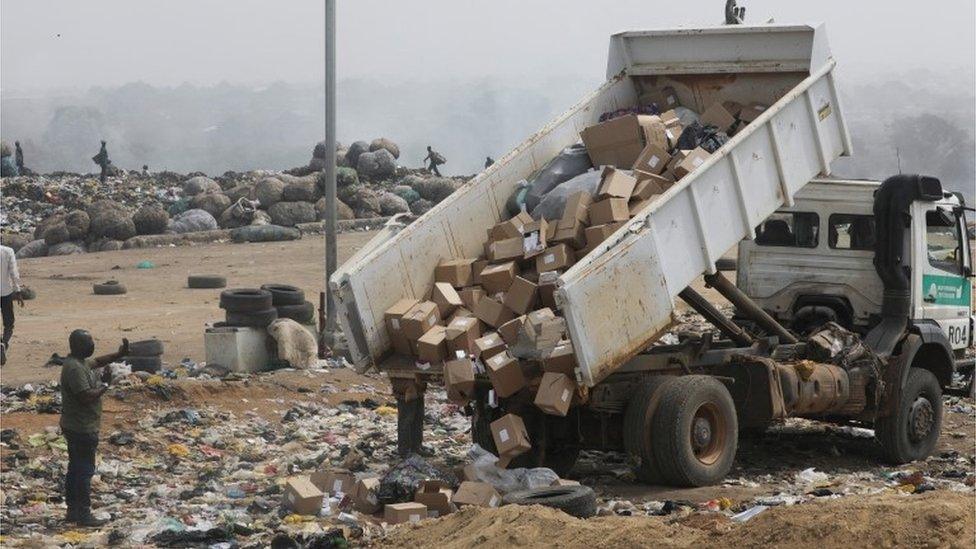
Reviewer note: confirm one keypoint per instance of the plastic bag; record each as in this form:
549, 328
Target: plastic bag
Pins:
686, 116
508, 480
707, 137
516, 202
569, 163
552, 205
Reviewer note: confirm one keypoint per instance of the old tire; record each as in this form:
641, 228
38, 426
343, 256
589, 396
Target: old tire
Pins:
912, 432
253, 319
112, 287
303, 314
696, 431
206, 281
148, 347
245, 300
150, 364
578, 501
283, 294
639, 428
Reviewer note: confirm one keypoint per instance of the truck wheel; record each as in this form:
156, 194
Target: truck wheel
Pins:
695, 431
912, 432
639, 427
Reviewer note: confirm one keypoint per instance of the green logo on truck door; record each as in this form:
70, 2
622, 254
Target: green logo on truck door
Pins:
946, 290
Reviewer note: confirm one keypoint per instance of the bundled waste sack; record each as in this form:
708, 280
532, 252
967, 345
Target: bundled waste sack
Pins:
386, 144
300, 190
343, 211
65, 248
56, 234
391, 204
264, 233
554, 203
151, 219
268, 191
214, 203
434, 189
289, 214
239, 214
34, 248
110, 220
192, 221
569, 163
200, 184
294, 344
377, 165
14, 241
356, 149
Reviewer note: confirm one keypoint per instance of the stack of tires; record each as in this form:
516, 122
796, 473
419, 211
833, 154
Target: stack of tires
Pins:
248, 307
289, 302
145, 356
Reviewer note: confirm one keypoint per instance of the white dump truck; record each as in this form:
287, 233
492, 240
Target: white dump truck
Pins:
676, 409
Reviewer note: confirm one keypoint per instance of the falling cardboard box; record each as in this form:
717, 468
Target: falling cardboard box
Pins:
561, 360
456, 272
497, 278
609, 210
334, 482
555, 257
717, 116
302, 497
461, 334
694, 159
510, 435
488, 346
521, 295
509, 331
555, 394
505, 374
367, 499
477, 494
492, 312
459, 379
471, 296
395, 513
393, 316
436, 495
446, 298
419, 319
432, 346
652, 160
619, 141
541, 332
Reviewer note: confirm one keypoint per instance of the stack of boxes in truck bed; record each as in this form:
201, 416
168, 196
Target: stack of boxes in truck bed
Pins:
494, 317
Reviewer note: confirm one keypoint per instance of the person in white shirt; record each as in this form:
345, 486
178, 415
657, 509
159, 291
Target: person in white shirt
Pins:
9, 291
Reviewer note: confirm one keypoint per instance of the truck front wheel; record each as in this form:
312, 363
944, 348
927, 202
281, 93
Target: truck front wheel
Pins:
695, 431
912, 431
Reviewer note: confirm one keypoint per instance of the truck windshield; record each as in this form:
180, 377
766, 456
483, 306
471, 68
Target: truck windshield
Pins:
795, 229
942, 242
851, 232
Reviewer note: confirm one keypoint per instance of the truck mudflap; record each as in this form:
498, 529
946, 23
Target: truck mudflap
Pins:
757, 390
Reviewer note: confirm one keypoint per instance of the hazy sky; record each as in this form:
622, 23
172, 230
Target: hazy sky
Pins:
58, 43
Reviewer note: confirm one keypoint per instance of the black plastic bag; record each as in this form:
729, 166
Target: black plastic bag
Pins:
569, 163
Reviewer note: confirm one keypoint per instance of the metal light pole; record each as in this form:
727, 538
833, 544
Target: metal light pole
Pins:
330, 162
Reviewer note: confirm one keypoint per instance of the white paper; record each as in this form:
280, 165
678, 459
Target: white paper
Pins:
565, 396
492, 398
493, 502
423, 365
396, 323
653, 161
291, 497
697, 162
337, 486
434, 513
459, 353
670, 100
503, 435
549, 258
415, 518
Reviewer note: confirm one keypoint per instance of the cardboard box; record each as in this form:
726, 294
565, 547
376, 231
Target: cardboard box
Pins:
503, 250
471, 296
446, 298
555, 258
615, 184
694, 159
466, 473
478, 494
534, 236
395, 513
650, 185
419, 319
609, 210
652, 159
505, 374
547, 289
461, 334
561, 360
511, 437
634, 207
512, 228
540, 333
488, 346
555, 394
334, 481
367, 499
436, 495
598, 233
670, 97
432, 346
459, 379
509, 331
497, 278
392, 317
492, 312
521, 296
670, 118
752, 112
733, 107
619, 141
460, 312
570, 232
476, 269
716, 115
576, 207
302, 497
456, 272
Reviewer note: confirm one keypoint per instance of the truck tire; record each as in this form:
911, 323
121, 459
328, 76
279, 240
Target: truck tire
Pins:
912, 431
148, 347
255, 319
283, 294
150, 364
245, 300
302, 314
696, 431
112, 287
205, 281
639, 427
578, 501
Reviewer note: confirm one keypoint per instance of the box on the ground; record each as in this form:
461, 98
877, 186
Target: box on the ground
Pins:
570, 232
576, 207
393, 316
456, 272
478, 494
511, 437
615, 183
694, 159
618, 142
492, 312
436, 495
302, 497
471, 296
446, 298
505, 374
509, 331
419, 319
609, 210
534, 236
561, 360
334, 481
366, 498
503, 250
652, 160
497, 278
555, 258
717, 116
459, 379
395, 513
555, 393
521, 295
461, 334
752, 112
547, 289
432, 346
488, 346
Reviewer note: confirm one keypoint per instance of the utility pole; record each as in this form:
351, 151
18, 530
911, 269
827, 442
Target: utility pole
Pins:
331, 255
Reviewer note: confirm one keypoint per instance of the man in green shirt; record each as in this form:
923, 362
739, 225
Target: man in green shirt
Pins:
81, 416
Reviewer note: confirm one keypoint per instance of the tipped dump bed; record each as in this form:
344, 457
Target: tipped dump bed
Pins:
619, 297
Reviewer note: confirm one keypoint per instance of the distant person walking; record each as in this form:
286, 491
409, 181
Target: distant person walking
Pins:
19, 157
489, 161
436, 159
103, 162
9, 291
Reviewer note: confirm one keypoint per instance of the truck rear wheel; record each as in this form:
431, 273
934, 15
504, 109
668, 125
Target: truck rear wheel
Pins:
695, 430
912, 432
639, 428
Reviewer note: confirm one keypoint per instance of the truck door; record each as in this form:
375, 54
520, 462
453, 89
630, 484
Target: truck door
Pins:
943, 262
